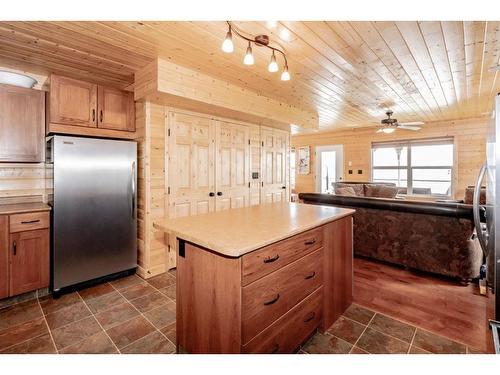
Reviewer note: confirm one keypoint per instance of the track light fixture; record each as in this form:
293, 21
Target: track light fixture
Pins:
259, 41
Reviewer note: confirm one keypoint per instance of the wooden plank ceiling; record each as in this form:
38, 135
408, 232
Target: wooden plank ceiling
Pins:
349, 72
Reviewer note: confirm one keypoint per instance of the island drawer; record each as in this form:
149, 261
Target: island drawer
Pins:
268, 298
287, 333
270, 258
29, 221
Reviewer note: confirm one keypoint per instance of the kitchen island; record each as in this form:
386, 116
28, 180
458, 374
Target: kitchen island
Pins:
260, 279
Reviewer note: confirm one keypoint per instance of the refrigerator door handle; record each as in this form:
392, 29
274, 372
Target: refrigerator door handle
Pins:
476, 210
133, 190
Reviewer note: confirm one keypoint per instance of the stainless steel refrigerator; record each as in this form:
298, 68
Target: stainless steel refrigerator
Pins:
94, 224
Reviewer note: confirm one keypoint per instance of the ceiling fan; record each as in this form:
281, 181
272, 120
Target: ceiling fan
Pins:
390, 124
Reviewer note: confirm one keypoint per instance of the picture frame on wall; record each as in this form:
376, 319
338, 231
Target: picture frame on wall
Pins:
304, 166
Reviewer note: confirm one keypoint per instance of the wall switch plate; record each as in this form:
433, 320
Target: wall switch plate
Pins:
350, 171
255, 175
360, 171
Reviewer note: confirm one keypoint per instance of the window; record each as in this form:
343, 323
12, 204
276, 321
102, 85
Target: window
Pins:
418, 167
293, 164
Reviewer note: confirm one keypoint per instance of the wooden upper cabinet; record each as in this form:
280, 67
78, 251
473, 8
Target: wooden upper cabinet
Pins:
116, 109
22, 124
73, 102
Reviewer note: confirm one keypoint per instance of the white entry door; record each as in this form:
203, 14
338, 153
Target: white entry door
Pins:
329, 167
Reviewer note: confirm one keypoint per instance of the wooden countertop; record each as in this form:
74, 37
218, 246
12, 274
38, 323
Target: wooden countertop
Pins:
18, 208
239, 231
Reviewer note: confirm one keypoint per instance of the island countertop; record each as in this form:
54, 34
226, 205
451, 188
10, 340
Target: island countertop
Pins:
236, 232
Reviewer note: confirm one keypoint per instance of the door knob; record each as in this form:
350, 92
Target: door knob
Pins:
219, 193
211, 194
283, 187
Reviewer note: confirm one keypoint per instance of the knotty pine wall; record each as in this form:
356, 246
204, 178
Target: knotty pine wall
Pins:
24, 182
469, 139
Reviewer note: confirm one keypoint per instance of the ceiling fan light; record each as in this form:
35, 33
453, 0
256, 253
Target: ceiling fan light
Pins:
273, 65
248, 60
285, 75
388, 130
227, 45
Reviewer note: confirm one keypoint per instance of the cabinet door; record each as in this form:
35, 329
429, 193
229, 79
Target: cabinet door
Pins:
29, 261
22, 124
232, 166
4, 256
191, 165
73, 102
116, 109
274, 161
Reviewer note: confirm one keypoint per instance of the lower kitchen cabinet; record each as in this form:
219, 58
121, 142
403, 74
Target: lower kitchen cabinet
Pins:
24, 252
29, 261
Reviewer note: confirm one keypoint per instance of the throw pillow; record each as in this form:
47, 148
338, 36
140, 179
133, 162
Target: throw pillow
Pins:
358, 188
380, 191
345, 191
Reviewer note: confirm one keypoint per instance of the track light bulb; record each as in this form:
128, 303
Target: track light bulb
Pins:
285, 76
248, 60
273, 65
227, 45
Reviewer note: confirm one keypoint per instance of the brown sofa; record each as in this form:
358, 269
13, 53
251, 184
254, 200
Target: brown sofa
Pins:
428, 236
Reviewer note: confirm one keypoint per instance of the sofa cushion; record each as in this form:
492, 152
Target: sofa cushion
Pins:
380, 191
346, 191
359, 189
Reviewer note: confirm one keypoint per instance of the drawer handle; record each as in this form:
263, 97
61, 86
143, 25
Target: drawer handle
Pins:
310, 242
310, 276
272, 301
30, 221
310, 317
276, 347
14, 246
270, 260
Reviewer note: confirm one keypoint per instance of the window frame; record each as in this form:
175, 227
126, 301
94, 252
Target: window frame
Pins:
409, 168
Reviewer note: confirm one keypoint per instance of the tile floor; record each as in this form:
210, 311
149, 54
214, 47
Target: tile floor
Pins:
131, 315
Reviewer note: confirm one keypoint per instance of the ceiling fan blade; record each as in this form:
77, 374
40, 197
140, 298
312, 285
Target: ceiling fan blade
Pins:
412, 123
409, 127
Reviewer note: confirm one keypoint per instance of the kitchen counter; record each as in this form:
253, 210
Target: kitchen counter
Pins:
236, 232
18, 208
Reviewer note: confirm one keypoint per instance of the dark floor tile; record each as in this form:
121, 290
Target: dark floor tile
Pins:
377, 343
19, 313
126, 282
105, 302
170, 332
67, 315
347, 329
22, 332
137, 291
116, 314
415, 350
96, 291
97, 344
359, 314
38, 345
7, 302
149, 301
326, 344
356, 350
437, 344
75, 332
170, 291
154, 343
393, 327
162, 281
50, 304
162, 316
127, 332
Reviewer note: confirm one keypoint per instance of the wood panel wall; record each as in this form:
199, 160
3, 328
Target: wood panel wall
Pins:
469, 138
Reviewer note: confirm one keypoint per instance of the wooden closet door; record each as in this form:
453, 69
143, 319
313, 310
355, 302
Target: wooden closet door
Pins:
232, 166
274, 161
29, 261
115, 109
73, 102
191, 165
22, 124
4, 256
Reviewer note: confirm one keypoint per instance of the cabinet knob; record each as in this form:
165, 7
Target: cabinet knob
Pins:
211, 194
219, 193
